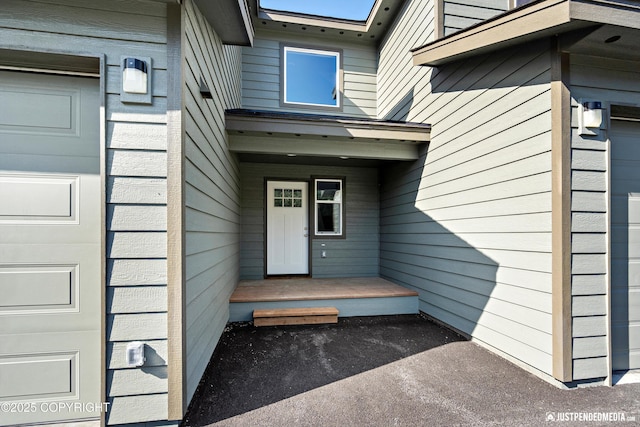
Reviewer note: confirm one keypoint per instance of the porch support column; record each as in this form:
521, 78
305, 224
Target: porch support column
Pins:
561, 213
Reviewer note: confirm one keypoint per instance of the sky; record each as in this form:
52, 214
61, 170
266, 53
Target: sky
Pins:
357, 10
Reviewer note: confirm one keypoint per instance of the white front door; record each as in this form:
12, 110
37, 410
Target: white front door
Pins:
50, 248
287, 228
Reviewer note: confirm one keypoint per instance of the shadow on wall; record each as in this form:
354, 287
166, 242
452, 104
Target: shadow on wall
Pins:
454, 280
401, 111
484, 189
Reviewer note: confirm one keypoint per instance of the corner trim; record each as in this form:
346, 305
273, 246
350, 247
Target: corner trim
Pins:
176, 323
438, 19
562, 356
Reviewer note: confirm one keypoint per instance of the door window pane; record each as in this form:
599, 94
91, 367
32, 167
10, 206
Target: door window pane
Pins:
287, 198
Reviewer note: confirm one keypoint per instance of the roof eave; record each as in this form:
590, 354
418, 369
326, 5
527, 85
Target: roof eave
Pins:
317, 125
541, 19
230, 19
369, 30
263, 132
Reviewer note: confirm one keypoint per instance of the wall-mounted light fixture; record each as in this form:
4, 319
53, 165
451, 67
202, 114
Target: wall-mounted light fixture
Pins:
205, 92
589, 117
136, 80
134, 76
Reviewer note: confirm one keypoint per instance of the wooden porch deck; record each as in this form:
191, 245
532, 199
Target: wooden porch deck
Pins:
360, 296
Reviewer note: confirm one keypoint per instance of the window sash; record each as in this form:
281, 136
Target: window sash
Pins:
285, 71
335, 217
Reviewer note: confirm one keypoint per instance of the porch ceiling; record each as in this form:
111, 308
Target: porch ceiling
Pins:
277, 133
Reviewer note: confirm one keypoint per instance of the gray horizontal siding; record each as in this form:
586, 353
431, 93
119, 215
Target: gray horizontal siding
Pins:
136, 178
212, 192
468, 226
261, 76
355, 256
607, 81
460, 14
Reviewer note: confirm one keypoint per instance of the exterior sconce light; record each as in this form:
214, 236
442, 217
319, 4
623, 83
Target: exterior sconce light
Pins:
134, 76
589, 117
205, 92
136, 80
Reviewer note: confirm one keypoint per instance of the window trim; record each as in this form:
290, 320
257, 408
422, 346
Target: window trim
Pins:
338, 53
343, 207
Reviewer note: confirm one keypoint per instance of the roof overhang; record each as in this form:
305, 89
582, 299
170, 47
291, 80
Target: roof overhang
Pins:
265, 132
230, 19
372, 29
542, 18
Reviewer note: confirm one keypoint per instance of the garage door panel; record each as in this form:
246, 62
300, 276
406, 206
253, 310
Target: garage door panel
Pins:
619, 272
634, 305
47, 120
623, 360
620, 217
627, 306
39, 198
625, 244
64, 353
27, 377
36, 287
49, 110
626, 335
633, 272
50, 244
623, 178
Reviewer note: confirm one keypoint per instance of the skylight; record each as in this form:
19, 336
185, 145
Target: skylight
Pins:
353, 10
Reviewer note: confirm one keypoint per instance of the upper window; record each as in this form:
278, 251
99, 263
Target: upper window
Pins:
311, 77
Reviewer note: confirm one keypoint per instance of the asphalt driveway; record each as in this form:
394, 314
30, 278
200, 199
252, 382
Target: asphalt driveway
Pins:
385, 371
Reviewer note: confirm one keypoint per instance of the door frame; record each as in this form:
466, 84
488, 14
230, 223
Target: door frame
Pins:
91, 65
265, 219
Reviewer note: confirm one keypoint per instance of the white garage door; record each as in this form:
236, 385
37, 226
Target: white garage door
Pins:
50, 246
625, 244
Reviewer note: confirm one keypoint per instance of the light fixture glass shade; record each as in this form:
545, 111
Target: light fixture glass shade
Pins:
134, 76
592, 114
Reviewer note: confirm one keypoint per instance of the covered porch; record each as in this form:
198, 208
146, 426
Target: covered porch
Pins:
329, 260
352, 296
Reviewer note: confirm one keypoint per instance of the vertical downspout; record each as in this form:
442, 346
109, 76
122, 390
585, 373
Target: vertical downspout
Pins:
103, 237
609, 300
561, 214
176, 323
